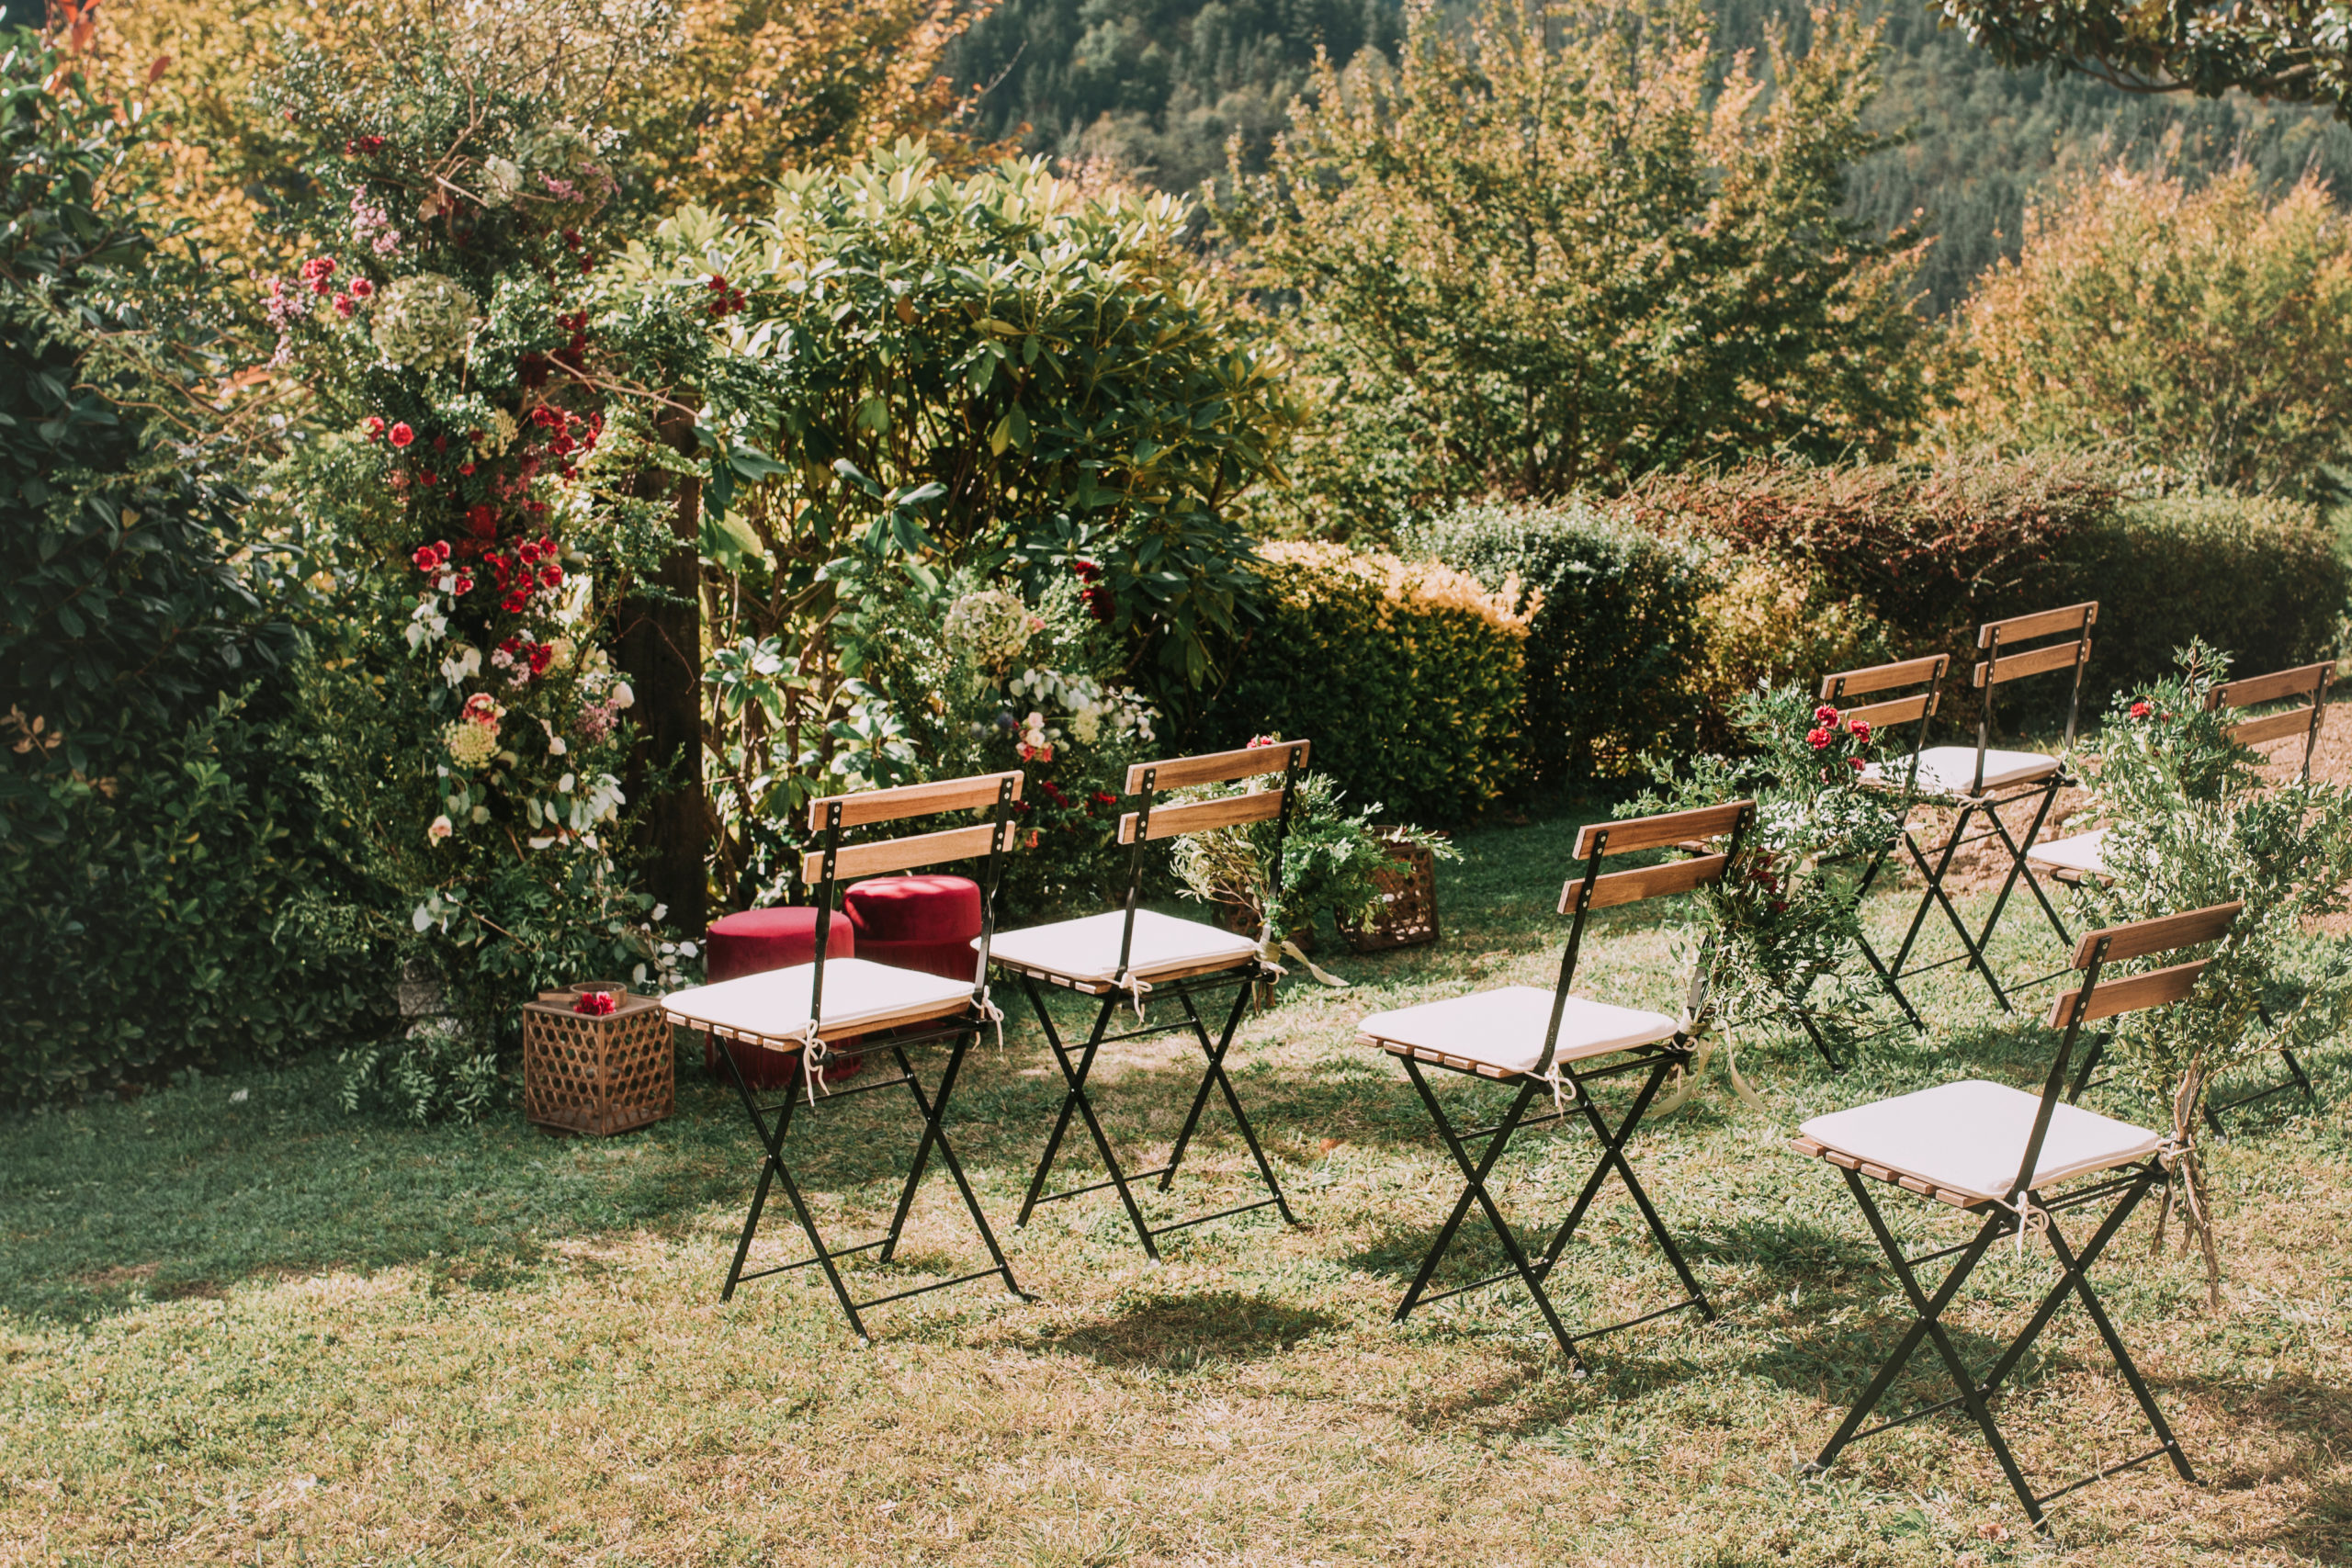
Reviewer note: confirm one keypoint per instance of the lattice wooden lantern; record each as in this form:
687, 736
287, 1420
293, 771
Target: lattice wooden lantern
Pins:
1407, 913
598, 1074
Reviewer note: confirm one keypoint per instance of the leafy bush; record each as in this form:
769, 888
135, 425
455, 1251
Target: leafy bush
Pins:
2151, 321
1928, 553
1614, 644
2193, 828
182, 911
2258, 577
971, 369
1763, 624
439, 1070
1332, 855
1405, 675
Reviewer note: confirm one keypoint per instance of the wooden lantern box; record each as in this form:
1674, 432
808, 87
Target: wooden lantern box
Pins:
597, 1073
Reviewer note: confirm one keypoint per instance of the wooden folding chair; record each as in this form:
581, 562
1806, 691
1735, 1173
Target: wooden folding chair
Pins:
1533, 1039
1981, 780
1133, 954
793, 1009
1917, 709
2082, 857
2001, 1154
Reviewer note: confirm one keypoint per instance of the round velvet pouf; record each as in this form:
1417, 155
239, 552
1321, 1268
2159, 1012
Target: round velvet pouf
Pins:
755, 941
917, 922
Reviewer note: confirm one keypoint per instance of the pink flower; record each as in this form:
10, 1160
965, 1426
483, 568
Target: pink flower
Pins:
1856, 763
374, 426
361, 289
342, 306
594, 1004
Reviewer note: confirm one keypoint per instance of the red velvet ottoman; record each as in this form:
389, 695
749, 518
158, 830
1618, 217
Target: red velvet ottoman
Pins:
756, 941
917, 922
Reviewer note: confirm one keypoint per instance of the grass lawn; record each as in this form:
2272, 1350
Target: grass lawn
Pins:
238, 1326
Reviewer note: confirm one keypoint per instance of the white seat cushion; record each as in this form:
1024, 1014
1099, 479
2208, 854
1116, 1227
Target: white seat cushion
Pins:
1948, 770
772, 1007
1503, 1029
1970, 1137
2084, 853
1087, 951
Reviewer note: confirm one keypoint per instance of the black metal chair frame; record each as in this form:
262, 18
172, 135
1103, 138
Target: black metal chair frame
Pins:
1989, 675
771, 1122
2127, 1187
1652, 1064
1077, 1063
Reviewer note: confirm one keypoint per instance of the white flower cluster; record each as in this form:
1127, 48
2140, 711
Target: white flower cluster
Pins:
1093, 708
990, 627
426, 624
423, 323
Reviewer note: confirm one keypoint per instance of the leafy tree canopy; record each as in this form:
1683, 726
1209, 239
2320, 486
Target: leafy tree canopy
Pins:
1560, 250
2294, 51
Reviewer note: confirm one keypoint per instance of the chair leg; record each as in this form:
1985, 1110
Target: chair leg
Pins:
1475, 1172
1870, 954
2019, 867
2077, 1273
935, 1134
773, 1169
1216, 1075
1612, 1147
1075, 1099
1929, 1323
1936, 897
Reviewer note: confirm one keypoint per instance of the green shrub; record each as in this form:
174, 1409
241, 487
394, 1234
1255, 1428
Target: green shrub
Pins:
1613, 646
1767, 626
2258, 577
176, 913
1404, 675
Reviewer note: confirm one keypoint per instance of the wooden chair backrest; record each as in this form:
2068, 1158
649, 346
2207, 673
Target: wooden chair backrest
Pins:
1219, 767
2307, 680
1916, 708
2097, 998
1596, 841
885, 855
2071, 651
1149, 822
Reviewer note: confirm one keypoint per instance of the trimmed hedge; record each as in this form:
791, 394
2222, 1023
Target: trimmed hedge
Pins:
1930, 553
2258, 577
175, 914
1404, 675
1615, 644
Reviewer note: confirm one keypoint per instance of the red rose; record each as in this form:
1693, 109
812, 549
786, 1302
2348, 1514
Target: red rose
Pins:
429, 476
542, 655
551, 575
402, 434
466, 470
465, 583
1824, 713
526, 553
595, 1004
517, 602
1859, 729
1856, 763
2139, 710
361, 289
342, 306
424, 558
374, 426
1819, 738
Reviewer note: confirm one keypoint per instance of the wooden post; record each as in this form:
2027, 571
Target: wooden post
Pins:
660, 646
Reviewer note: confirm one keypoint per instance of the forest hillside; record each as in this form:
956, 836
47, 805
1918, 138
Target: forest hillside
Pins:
1157, 86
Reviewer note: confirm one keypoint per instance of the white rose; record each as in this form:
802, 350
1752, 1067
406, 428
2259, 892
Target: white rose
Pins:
622, 696
442, 828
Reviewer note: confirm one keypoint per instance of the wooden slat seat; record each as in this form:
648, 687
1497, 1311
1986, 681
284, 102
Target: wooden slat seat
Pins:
1498, 1034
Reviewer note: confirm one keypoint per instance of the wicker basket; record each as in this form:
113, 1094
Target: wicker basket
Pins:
597, 1075
1408, 912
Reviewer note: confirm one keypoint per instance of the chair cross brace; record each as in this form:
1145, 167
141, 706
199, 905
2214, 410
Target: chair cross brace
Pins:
1975, 1393
1077, 1066
1659, 1061
1972, 944
772, 1122
2296, 1078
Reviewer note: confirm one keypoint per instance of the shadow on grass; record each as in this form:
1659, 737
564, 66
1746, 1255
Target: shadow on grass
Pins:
1180, 1332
